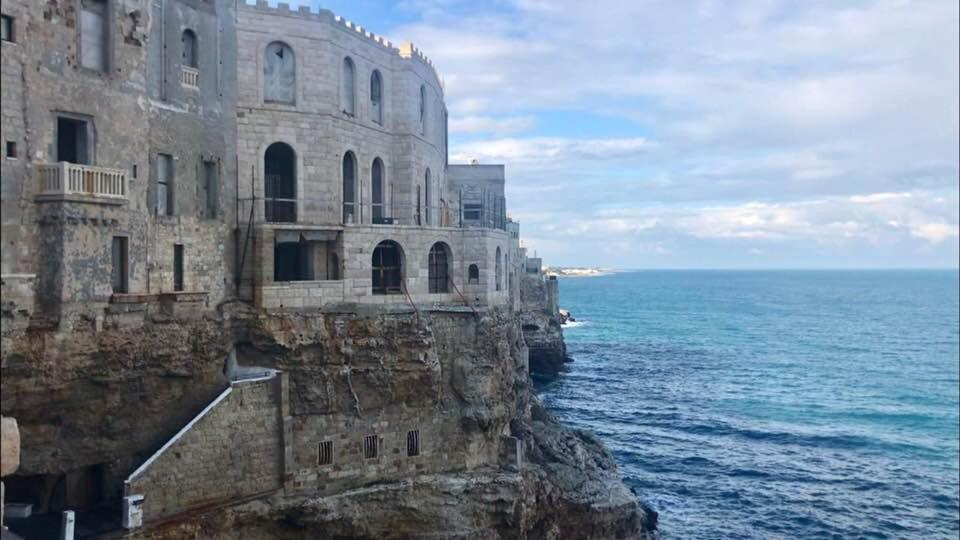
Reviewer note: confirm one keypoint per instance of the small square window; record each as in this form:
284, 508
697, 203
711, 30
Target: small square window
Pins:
413, 443
370, 447
11, 149
325, 453
6, 28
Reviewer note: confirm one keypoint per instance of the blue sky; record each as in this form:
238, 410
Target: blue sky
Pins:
705, 133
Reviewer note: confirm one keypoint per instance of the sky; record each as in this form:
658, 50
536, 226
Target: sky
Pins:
705, 133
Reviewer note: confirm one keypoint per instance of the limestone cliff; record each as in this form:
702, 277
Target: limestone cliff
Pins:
540, 320
493, 463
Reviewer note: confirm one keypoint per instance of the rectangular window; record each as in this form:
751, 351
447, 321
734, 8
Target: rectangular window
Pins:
94, 37
73, 141
370, 447
6, 28
178, 267
11, 149
471, 212
413, 443
325, 453
164, 185
210, 188
119, 259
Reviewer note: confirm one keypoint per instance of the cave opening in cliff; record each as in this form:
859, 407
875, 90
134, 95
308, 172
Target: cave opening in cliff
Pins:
90, 491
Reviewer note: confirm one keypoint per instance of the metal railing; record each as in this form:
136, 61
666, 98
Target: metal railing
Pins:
279, 209
189, 76
73, 179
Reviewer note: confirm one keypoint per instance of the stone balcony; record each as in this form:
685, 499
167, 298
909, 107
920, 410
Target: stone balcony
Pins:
189, 77
87, 183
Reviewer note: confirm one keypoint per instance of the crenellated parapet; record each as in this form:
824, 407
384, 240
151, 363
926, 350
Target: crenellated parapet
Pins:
404, 50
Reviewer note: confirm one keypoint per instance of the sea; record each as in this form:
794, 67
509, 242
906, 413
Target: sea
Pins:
773, 404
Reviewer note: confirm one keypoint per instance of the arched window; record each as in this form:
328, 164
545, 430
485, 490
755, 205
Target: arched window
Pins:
387, 268
418, 206
349, 188
376, 97
423, 109
188, 44
498, 275
376, 188
333, 266
279, 73
280, 183
473, 275
348, 97
426, 195
438, 268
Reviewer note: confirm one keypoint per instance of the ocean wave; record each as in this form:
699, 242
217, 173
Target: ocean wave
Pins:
573, 324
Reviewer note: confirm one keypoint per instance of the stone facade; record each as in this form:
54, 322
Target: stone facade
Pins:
112, 122
231, 451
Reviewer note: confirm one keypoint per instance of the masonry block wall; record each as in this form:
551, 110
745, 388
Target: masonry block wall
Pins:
233, 451
131, 109
319, 130
469, 246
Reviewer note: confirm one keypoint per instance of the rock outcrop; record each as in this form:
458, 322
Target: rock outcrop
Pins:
495, 464
541, 323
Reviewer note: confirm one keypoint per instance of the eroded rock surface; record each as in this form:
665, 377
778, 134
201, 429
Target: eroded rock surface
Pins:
86, 398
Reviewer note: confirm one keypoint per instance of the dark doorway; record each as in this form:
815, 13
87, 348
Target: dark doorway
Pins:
333, 266
118, 255
350, 188
438, 269
291, 261
280, 183
376, 187
178, 267
73, 143
387, 268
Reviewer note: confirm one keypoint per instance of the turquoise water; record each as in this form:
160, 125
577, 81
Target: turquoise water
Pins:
773, 404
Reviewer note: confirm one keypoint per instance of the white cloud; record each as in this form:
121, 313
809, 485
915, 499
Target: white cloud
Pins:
544, 150
935, 232
489, 124
811, 124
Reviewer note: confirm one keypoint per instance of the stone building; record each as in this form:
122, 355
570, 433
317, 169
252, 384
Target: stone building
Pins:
120, 154
345, 192
167, 159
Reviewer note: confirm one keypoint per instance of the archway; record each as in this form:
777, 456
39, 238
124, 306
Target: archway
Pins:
387, 268
438, 268
280, 183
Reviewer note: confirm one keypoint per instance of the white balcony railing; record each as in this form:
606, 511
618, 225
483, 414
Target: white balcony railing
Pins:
190, 77
71, 179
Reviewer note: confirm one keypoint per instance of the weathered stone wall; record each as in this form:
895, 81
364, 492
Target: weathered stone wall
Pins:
357, 243
66, 241
17, 297
234, 450
318, 129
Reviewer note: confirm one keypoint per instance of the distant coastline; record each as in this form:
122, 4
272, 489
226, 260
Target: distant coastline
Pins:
576, 271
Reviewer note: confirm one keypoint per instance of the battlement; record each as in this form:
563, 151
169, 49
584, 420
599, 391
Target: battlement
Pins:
405, 50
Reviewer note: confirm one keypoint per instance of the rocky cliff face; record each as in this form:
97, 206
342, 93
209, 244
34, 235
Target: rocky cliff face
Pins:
540, 321
497, 466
